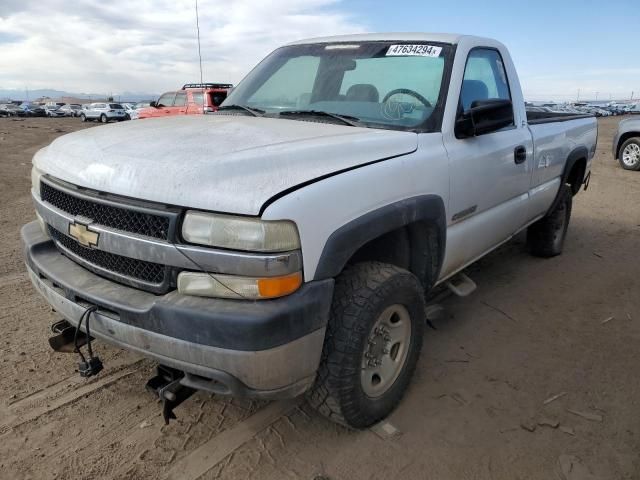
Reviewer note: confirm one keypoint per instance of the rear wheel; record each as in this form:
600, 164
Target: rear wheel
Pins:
103, 118
372, 344
545, 238
630, 154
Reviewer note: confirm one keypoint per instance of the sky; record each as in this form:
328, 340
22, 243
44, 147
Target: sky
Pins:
562, 48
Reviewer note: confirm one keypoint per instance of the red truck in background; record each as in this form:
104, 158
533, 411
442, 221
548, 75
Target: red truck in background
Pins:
191, 99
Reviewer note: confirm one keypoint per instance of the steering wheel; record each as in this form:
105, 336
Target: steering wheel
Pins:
406, 91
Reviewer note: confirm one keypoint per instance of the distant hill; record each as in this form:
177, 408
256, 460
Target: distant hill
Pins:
10, 94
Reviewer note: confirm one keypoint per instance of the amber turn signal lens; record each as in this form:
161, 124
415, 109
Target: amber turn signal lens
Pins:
279, 286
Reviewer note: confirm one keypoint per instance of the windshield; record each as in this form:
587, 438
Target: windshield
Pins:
382, 84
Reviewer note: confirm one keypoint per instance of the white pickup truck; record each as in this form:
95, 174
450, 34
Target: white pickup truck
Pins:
285, 244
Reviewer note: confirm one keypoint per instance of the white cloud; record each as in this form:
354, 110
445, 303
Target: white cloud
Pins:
150, 45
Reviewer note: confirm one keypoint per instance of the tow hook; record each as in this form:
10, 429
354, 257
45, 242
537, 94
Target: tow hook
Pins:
166, 385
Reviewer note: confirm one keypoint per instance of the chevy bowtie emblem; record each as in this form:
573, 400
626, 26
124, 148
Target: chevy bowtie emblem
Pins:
83, 235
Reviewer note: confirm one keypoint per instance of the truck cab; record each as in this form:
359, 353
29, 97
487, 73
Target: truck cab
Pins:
285, 243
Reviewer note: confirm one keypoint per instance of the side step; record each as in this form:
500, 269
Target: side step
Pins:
461, 285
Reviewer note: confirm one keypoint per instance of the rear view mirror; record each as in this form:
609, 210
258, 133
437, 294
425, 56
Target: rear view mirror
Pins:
484, 116
153, 104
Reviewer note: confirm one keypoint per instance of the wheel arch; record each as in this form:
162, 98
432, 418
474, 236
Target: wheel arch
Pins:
573, 174
623, 138
403, 233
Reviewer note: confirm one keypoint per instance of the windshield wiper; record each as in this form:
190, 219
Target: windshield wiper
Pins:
256, 112
346, 119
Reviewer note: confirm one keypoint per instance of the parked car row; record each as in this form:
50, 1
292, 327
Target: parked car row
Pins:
27, 109
585, 108
191, 99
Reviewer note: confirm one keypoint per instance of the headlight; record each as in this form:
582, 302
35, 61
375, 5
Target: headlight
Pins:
35, 179
230, 286
240, 233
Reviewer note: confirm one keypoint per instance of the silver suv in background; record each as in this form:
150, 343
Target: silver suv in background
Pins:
103, 112
626, 144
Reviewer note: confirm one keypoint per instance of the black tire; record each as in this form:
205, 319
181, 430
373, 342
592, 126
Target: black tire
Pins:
631, 163
103, 118
362, 292
545, 238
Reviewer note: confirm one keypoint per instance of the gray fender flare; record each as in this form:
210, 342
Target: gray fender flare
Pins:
348, 239
576, 155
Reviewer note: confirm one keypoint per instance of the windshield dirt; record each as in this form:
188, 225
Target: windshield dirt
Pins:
379, 84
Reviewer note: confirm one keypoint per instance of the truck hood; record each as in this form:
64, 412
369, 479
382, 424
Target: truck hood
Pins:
222, 163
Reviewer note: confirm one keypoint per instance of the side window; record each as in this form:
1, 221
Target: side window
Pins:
197, 97
484, 78
181, 99
166, 100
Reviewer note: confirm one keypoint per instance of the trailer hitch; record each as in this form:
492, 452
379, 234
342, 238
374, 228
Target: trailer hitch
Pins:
166, 385
63, 340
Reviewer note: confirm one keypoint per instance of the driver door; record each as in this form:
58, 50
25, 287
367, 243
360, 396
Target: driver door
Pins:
164, 105
490, 173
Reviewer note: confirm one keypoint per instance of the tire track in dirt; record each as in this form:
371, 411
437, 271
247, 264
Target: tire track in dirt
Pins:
47, 394
209, 454
67, 399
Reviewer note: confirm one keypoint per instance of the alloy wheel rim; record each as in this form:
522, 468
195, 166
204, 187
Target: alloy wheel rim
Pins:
631, 155
386, 350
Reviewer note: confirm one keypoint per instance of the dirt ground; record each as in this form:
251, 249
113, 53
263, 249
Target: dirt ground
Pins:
533, 330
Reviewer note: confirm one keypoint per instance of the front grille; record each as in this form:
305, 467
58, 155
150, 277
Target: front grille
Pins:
128, 220
128, 267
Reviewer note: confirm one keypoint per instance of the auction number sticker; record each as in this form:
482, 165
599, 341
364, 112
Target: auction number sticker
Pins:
420, 50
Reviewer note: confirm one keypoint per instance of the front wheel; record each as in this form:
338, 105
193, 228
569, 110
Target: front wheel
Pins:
630, 154
83, 118
103, 118
545, 238
372, 345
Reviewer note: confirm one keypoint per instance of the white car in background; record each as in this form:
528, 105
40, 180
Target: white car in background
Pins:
130, 110
105, 112
53, 111
71, 109
635, 109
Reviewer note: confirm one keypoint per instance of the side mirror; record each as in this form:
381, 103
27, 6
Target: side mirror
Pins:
484, 116
153, 104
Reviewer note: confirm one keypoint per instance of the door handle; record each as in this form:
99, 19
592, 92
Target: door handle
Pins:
520, 155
